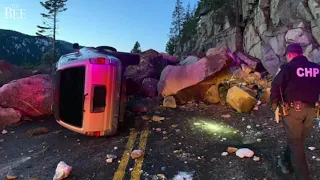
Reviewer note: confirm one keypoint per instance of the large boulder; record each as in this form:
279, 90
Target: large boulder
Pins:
145, 58
9, 116
10, 72
170, 58
189, 60
176, 78
212, 95
240, 100
149, 87
151, 65
32, 96
199, 91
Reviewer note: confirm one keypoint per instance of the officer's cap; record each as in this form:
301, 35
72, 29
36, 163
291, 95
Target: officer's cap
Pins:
294, 48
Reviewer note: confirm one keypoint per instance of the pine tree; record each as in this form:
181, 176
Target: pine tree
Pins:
177, 24
136, 48
49, 28
170, 47
189, 26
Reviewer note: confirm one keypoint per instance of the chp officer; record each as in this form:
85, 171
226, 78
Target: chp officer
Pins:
298, 85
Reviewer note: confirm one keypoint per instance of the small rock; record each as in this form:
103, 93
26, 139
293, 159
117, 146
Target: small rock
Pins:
258, 140
243, 119
249, 127
311, 148
130, 169
196, 124
244, 152
256, 108
161, 177
30, 151
158, 129
145, 118
313, 157
4, 131
178, 130
12, 174
115, 148
164, 132
224, 154
1, 140
157, 118
111, 156
109, 160
255, 158
226, 116
174, 125
169, 102
232, 149
137, 154
11, 177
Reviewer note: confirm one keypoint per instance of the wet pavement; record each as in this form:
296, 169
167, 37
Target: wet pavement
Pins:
189, 143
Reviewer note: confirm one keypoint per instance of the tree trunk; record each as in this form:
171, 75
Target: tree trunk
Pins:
54, 41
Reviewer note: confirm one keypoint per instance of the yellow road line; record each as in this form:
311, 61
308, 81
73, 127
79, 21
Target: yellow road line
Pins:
119, 174
135, 174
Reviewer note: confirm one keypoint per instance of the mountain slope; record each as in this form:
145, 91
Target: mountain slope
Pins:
20, 49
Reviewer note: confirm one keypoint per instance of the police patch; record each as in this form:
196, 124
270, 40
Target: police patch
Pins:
307, 72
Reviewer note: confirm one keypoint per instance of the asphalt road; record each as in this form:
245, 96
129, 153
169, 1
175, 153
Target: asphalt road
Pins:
188, 143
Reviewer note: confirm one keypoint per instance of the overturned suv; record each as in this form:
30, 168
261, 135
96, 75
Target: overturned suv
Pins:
90, 89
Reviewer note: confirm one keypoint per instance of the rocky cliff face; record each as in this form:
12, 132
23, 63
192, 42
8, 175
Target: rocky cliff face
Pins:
267, 27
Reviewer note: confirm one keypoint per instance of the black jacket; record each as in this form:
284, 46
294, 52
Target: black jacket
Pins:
299, 80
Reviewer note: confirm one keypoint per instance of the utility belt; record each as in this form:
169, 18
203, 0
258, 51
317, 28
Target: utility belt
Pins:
297, 106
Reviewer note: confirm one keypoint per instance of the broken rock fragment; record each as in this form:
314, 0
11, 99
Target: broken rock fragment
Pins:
12, 174
226, 116
136, 154
62, 171
256, 158
244, 152
240, 100
232, 149
157, 118
169, 102
212, 95
224, 154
